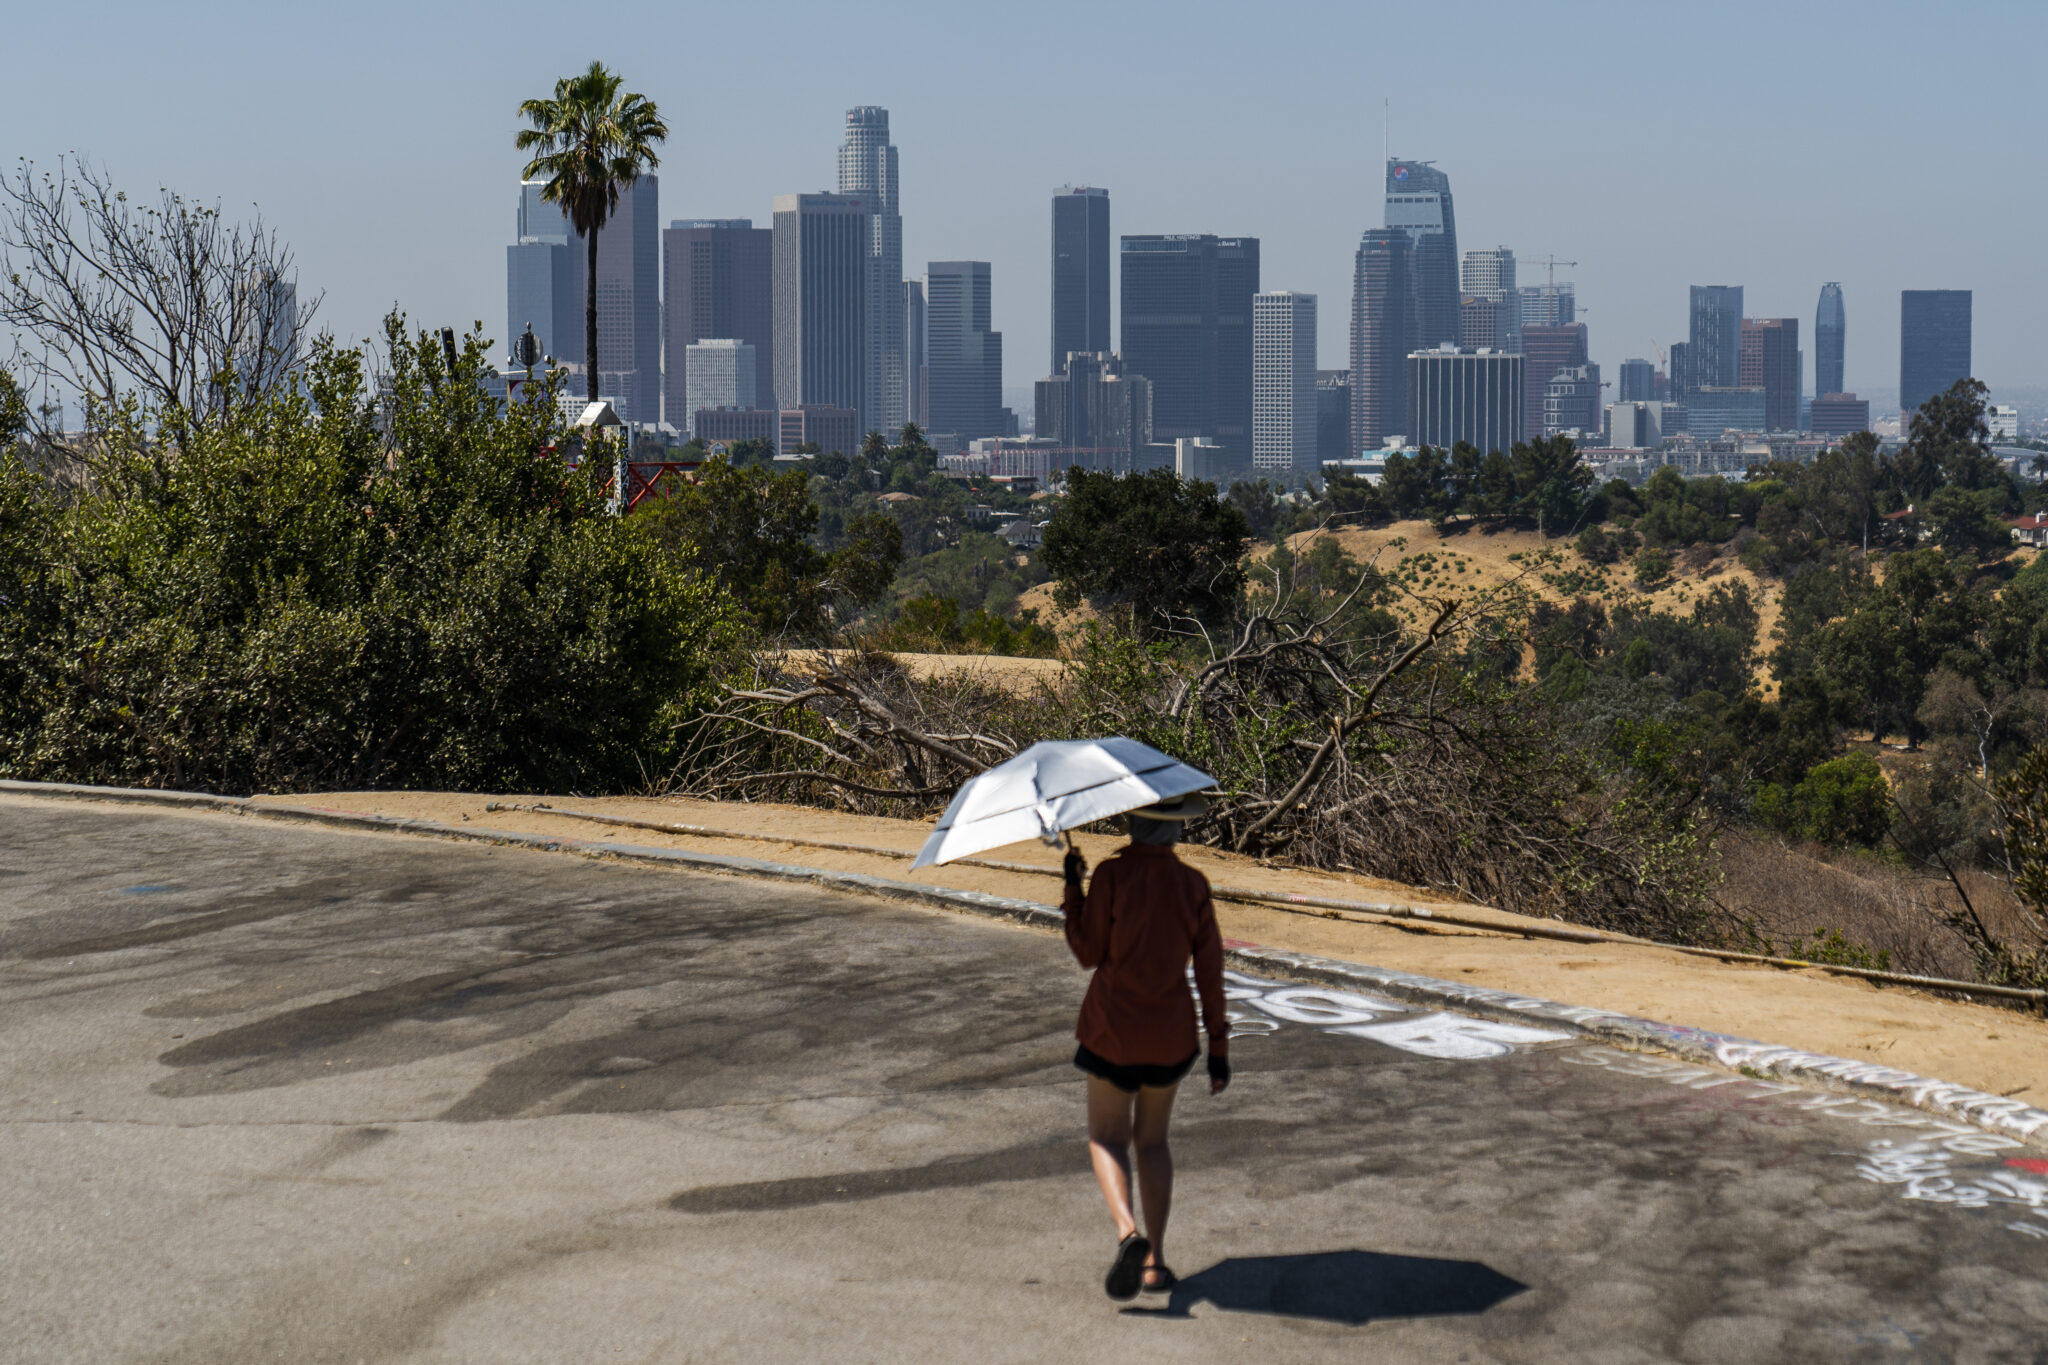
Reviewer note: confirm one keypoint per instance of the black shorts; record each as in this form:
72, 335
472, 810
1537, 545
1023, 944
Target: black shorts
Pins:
1129, 1078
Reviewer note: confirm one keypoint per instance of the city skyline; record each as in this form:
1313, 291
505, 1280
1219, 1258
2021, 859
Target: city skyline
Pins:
1302, 162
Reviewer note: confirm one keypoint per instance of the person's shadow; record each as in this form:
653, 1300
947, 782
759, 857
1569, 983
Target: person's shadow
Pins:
1342, 1286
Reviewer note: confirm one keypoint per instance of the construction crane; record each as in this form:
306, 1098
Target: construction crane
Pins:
1553, 263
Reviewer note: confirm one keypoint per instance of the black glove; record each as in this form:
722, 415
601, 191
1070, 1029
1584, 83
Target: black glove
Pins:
1219, 1070
1076, 865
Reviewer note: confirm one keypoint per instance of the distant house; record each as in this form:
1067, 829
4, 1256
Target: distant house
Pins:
894, 498
1022, 533
2032, 531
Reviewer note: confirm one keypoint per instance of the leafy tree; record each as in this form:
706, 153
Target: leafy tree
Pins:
1925, 614
1949, 443
1551, 483
1842, 801
1707, 651
1968, 521
590, 142
346, 588
1151, 543
751, 530
13, 410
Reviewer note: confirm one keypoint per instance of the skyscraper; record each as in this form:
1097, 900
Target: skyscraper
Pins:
1462, 394
820, 287
1490, 306
628, 294
719, 283
1934, 344
1382, 331
1552, 304
1091, 406
1187, 327
965, 388
1680, 378
1830, 326
1419, 203
1638, 381
1571, 402
1333, 416
867, 170
1770, 361
722, 374
1080, 272
544, 271
1714, 339
914, 351
1284, 385
1545, 352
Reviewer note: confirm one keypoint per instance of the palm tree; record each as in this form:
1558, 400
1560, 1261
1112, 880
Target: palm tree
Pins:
589, 142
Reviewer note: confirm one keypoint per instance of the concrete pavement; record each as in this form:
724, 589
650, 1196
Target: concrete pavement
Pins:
280, 1093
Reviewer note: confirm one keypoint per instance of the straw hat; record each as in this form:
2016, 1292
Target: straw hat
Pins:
1190, 807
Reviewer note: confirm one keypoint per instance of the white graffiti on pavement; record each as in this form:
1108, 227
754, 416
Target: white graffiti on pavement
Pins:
1451, 1037
1927, 1173
1922, 1161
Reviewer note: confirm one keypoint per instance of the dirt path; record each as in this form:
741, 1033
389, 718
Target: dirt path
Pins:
1997, 1050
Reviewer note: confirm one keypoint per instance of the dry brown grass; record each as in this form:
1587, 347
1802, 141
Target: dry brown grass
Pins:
1792, 893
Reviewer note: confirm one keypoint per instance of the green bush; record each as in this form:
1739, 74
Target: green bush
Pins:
1842, 801
1652, 568
344, 589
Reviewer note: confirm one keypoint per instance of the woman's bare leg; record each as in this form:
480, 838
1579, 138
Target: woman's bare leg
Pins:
1109, 1147
1155, 1163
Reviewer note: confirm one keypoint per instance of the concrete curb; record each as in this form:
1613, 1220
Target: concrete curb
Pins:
2007, 1117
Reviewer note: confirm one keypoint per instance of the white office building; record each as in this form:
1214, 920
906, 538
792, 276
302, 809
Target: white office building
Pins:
2004, 423
1284, 386
720, 374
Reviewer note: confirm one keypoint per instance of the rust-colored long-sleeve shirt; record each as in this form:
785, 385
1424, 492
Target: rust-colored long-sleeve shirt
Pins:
1145, 915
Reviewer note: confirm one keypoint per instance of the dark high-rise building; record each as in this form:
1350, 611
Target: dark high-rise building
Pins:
544, 272
1546, 351
1714, 340
1187, 327
1333, 416
821, 253
1839, 414
1102, 416
1830, 326
964, 390
1770, 361
867, 170
914, 351
1680, 378
1934, 344
550, 264
1382, 334
1080, 272
1571, 403
1419, 203
720, 284
1638, 380
1465, 395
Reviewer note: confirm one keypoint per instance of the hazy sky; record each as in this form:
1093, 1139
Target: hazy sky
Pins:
1772, 145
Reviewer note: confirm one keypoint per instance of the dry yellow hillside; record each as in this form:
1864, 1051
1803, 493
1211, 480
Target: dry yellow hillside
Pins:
1477, 557
1473, 556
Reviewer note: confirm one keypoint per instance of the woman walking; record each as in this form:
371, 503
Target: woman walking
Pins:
1146, 914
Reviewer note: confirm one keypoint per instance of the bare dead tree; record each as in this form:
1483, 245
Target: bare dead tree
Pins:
168, 303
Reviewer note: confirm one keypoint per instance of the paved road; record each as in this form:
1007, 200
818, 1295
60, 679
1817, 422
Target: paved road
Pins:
271, 1093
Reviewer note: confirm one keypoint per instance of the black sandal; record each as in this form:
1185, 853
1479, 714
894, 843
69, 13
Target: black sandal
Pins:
1167, 1279
1128, 1269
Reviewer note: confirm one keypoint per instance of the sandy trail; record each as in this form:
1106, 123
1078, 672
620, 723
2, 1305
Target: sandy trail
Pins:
1997, 1050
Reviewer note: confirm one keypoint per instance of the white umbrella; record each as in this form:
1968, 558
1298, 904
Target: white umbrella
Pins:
1052, 786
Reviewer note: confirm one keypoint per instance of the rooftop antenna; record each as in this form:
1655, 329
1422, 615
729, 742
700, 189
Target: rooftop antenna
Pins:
1386, 106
